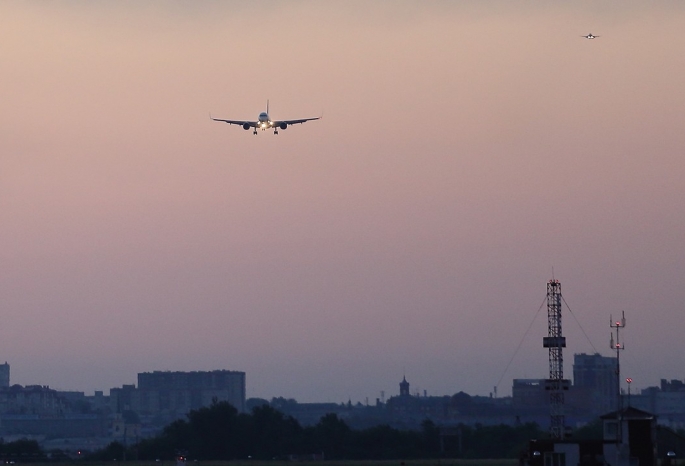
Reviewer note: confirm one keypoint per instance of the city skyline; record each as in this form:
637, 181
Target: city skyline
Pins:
469, 152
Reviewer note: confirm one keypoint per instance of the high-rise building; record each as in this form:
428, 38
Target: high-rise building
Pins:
595, 376
173, 394
4, 375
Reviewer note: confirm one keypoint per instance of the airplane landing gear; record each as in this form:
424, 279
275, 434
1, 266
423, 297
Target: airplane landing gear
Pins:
276, 131
255, 132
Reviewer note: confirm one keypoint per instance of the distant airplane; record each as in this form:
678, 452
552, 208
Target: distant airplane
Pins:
590, 36
265, 122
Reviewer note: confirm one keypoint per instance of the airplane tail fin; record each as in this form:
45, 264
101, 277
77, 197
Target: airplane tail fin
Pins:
267, 106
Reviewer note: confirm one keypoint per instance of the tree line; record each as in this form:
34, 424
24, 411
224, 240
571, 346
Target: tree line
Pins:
219, 432
20, 450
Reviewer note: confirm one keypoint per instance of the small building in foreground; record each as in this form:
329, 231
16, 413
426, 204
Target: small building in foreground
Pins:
629, 439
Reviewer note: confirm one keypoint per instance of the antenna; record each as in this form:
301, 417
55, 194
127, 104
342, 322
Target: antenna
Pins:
618, 347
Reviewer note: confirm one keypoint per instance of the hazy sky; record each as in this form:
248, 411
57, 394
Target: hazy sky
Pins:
468, 148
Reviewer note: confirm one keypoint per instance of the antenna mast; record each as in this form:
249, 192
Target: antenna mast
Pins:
555, 341
618, 347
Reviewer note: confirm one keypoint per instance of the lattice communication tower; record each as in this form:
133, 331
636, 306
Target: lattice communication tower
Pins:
555, 342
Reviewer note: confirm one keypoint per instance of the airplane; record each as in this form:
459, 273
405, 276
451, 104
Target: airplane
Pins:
590, 36
264, 122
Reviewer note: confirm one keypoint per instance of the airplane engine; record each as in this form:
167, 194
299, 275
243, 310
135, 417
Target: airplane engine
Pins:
283, 125
246, 126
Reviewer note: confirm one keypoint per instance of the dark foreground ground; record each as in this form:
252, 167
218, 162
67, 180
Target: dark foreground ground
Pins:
441, 462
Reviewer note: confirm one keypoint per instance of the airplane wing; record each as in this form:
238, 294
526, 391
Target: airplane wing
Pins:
295, 122
252, 124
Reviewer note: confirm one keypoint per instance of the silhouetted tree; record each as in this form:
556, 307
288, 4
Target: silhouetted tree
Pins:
332, 436
219, 432
430, 436
500, 441
176, 436
22, 447
273, 434
384, 442
113, 451
252, 403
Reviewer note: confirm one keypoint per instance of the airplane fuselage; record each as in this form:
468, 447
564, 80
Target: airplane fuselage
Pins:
264, 121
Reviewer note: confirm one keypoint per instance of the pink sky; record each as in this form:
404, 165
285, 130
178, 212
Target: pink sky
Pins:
467, 149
